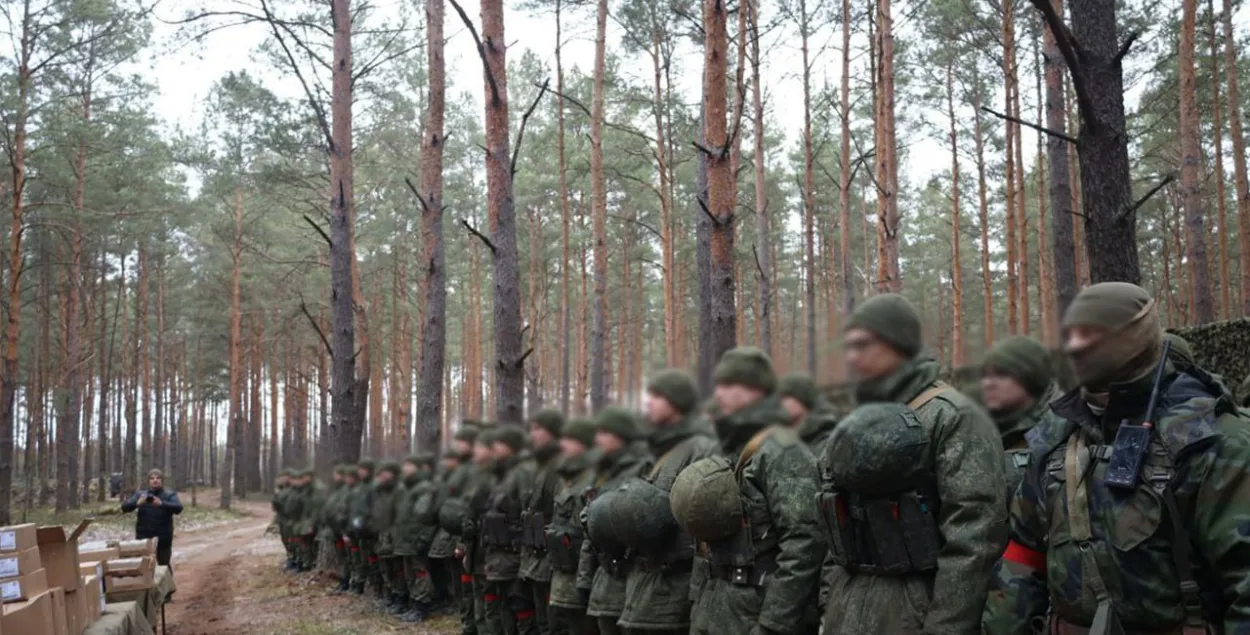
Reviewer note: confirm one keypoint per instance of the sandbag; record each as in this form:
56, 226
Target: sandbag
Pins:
877, 450
705, 500
634, 514
451, 515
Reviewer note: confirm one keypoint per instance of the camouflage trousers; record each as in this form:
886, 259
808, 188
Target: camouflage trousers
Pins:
539, 594
417, 577
463, 589
509, 608
287, 544
566, 621
393, 582
306, 551
365, 567
607, 625
343, 554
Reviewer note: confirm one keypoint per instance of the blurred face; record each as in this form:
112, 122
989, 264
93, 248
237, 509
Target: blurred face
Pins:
794, 408
659, 410
284, 481
481, 453
540, 436
362, 474
408, 469
571, 448
608, 442
338, 478
154, 482
1002, 393
461, 447
501, 450
731, 398
868, 356
451, 462
382, 478
1077, 339
349, 479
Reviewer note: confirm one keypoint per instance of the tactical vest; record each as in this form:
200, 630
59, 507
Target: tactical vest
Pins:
891, 533
564, 536
1017, 463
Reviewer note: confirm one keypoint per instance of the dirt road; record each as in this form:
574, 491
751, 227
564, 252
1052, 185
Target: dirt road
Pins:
230, 583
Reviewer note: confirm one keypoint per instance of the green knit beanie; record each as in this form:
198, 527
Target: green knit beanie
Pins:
467, 434
747, 366
511, 436
389, 466
420, 459
486, 437
1109, 305
582, 430
470, 423
550, 420
802, 388
892, 318
1180, 350
1024, 359
677, 387
619, 421
366, 464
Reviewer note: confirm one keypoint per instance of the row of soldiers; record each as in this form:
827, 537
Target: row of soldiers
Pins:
1118, 507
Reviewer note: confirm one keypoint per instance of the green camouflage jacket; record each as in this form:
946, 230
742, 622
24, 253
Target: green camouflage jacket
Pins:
1059, 551
781, 546
967, 458
314, 499
576, 475
1013, 427
816, 427
656, 599
382, 518
297, 505
452, 484
281, 500
516, 478
359, 512
539, 498
477, 494
408, 536
607, 592
331, 522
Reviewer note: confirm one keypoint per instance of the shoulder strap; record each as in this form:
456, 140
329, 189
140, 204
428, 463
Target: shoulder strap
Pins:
925, 397
752, 447
659, 464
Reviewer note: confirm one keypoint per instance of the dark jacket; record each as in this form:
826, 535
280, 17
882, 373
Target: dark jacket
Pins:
152, 521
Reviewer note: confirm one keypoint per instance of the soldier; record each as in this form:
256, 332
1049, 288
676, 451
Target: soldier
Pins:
565, 533
657, 592
391, 590
297, 504
942, 593
1132, 514
416, 517
282, 494
359, 508
513, 607
810, 415
327, 536
471, 548
603, 566
311, 495
545, 430
764, 569
1017, 388
457, 473
335, 514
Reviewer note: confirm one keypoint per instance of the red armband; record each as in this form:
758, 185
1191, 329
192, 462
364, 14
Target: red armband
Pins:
1021, 554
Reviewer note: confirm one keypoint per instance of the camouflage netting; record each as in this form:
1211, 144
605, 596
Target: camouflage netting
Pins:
1222, 348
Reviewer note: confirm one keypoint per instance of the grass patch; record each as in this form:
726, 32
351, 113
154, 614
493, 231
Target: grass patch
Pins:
110, 524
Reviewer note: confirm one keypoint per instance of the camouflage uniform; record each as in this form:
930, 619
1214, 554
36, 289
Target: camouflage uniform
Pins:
359, 509
535, 569
1027, 361
312, 496
766, 577
1164, 551
816, 426
412, 534
602, 574
512, 607
657, 592
334, 522
282, 494
454, 485
381, 521
567, 611
477, 495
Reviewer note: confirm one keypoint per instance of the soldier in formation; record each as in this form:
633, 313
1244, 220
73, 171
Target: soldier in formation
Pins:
565, 534
810, 415
1017, 387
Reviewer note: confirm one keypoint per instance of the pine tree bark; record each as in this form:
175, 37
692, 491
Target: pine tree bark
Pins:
599, 213
566, 221
660, 61
1013, 275
720, 180
763, 231
105, 460
957, 276
235, 422
143, 345
1191, 160
160, 458
434, 334
889, 276
1239, 154
809, 192
1045, 274
844, 177
257, 419
983, 213
1061, 213
1217, 128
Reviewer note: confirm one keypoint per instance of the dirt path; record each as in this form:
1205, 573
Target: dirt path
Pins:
230, 582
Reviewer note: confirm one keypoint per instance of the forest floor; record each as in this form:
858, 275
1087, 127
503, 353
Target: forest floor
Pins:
230, 582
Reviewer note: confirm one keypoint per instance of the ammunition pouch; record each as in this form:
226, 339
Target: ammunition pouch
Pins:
617, 566
497, 531
534, 530
891, 535
564, 549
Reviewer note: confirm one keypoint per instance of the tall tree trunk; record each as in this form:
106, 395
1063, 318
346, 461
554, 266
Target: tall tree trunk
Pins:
1064, 254
720, 179
257, 419
344, 439
658, 63
1191, 160
763, 239
377, 432
1022, 209
566, 220
235, 422
1217, 127
809, 193
510, 361
1239, 154
271, 474
159, 447
844, 177
143, 346
1009, 70
887, 161
1045, 275
957, 276
983, 214
434, 331
105, 462
599, 213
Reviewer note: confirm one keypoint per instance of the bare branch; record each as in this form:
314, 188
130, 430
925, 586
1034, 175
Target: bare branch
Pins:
322, 121
316, 327
1042, 129
520, 363
417, 193
520, 136
1124, 48
582, 107
1146, 197
758, 265
329, 243
473, 230
1070, 49
481, 52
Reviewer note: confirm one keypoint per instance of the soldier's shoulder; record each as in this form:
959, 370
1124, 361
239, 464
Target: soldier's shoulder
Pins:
1050, 432
783, 443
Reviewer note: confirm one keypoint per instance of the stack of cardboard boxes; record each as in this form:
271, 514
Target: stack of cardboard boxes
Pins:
41, 587
134, 568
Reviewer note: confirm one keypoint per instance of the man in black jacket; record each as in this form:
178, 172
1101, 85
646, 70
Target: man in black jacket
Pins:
155, 509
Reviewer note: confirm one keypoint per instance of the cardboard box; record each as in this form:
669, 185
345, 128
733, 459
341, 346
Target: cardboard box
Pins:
135, 548
20, 563
60, 621
129, 583
126, 567
59, 554
89, 552
17, 538
76, 611
31, 617
93, 588
91, 568
24, 587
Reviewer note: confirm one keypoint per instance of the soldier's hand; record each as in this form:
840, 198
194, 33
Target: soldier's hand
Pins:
156, 500
458, 553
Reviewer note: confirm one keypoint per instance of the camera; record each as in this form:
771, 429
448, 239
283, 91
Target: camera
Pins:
150, 498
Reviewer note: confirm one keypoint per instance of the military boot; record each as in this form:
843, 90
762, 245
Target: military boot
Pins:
358, 587
397, 605
345, 585
416, 614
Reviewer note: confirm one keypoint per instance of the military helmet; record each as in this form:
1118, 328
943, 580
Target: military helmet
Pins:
451, 515
878, 449
634, 514
705, 499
